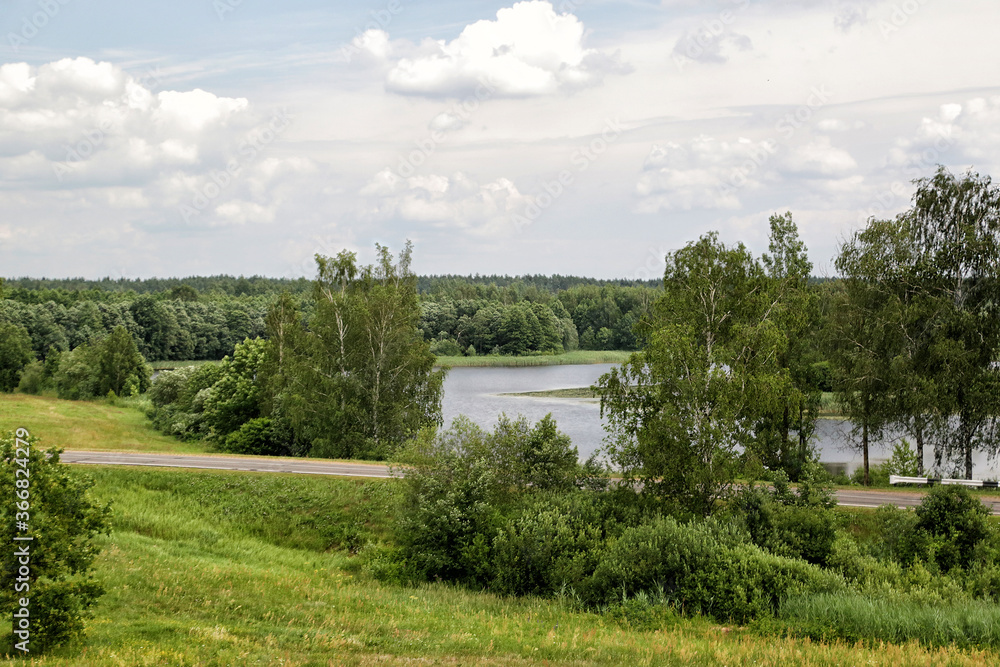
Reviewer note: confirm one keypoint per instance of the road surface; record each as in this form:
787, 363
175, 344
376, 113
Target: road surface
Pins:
848, 498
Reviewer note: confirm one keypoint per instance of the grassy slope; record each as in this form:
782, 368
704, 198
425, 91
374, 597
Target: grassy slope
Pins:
575, 357
89, 425
209, 567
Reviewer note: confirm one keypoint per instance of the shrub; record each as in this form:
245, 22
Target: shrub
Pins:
32, 378
704, 567
448, 520
796, 525
64, 521
550, 546
950, 523
446, 347
255, 437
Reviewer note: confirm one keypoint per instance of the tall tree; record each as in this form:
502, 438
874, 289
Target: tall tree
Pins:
955, 223
796, 313
866, 331
120, 367
921, 326
15, 354
361, 377
680, 410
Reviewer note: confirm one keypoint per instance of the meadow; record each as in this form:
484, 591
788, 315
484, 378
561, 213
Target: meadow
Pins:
221, 568
103, 425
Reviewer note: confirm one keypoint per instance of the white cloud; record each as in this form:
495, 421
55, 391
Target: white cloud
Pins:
818, 159
702, 173
93, 123
959, 135
529, 49
457, 201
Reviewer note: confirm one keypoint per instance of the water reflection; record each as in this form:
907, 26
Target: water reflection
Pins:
476, 393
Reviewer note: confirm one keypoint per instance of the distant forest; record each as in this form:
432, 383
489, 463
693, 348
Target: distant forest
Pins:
205, 317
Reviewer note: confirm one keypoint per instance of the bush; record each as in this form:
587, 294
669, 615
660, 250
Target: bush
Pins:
951, 522
178, 398
32, 378
448, 521
704, 567
552, 545
255, 437
796, 525
57, 509
446, 347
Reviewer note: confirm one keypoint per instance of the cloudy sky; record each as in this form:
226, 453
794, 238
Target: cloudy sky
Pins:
579, 136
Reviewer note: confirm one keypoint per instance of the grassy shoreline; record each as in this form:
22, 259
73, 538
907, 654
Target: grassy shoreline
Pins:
577, 357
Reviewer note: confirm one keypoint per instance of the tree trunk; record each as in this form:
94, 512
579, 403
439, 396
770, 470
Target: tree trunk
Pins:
802, 438
783, 447
967, 446
920, 448
864, 449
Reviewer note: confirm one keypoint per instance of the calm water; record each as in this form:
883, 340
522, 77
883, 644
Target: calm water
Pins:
475, 392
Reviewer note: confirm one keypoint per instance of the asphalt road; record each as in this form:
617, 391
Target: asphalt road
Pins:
849, 498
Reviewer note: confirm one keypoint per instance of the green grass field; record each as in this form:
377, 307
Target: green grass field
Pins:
89, 425
221, 568
575, 357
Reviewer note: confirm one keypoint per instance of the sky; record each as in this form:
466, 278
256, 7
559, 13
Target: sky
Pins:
581, 137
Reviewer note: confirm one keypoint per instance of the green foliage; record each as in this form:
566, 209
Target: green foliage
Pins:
448, 520
32, 378
234, 398
553, 542
110, 364
794, 524
255, 437
460, 484
120, 367
64, 520
358, 380
951, 522
76, 377
679, 410
15, 354
703, 567
178, 400
918, 337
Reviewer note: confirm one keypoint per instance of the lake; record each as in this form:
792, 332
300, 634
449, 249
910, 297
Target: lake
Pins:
476, 393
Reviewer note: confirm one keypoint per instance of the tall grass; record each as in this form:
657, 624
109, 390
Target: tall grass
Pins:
575, 357
855, 618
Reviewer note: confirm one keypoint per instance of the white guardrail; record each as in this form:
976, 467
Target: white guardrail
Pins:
898, 479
